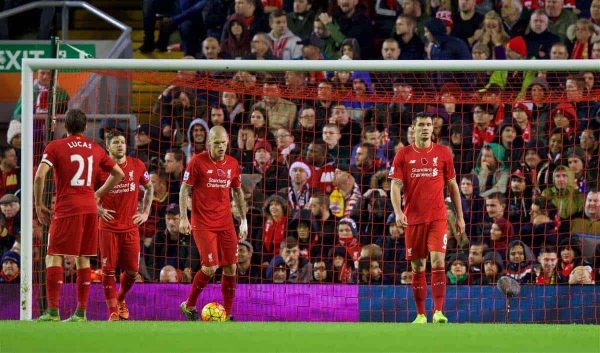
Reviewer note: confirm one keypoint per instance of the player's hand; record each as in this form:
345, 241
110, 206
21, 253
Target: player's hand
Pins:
43, 214
184, 226
139, 218
401, 220
106, 214
460, 223
243, 229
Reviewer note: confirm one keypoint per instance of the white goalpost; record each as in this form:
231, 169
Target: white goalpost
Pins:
29, 66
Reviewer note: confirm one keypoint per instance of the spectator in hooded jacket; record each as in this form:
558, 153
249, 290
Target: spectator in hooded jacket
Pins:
492, 267
520, 261
457, 269
253, 15
237, 42
197, 137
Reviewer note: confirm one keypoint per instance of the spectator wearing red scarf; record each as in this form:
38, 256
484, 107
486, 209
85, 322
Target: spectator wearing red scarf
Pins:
275, 226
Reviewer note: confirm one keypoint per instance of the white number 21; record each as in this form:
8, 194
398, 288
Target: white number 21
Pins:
76, 180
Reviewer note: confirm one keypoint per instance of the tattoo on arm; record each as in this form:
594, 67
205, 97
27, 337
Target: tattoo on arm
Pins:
148, 196
240, 202
183, 196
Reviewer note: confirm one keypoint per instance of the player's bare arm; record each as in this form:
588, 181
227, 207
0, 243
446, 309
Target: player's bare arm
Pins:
240, 204
396, 191
43, 213
142, 217
116, 175
455, 197
184, 222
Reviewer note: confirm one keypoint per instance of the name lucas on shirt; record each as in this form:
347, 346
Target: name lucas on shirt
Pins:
75, 144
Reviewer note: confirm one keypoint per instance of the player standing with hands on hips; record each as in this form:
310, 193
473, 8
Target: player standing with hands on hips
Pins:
119, 225
212, 176
422, 169
76, 161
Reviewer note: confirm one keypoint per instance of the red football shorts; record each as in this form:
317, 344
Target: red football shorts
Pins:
421, 239
120, 248
74, 235
217, 248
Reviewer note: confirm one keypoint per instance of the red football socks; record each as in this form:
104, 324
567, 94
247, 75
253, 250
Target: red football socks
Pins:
438, 287
228, 284
200, 281
127, 282
54, 280
419, 286
109, 284
84, 279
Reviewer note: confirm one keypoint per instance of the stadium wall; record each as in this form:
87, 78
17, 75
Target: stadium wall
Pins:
342, 303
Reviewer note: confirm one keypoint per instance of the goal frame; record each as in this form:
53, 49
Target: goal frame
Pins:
29, 65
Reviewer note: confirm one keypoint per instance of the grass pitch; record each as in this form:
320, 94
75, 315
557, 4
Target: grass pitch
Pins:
151, 337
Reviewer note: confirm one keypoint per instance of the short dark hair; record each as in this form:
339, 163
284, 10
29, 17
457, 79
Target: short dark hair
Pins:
364, 264
370, 129
4, 149
498, 196
545, 205
290, 242
323, 199
421, 115
75, 121
369, 148
275, 14
162, 176
546, 249
177, 153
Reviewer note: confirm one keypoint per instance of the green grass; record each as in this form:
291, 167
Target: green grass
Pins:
150, 337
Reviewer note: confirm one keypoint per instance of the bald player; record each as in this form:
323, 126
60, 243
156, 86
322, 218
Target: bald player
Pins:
212, 176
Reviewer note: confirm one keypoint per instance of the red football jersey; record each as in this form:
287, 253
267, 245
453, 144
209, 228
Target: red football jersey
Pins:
123, 198
76, 162
424, 172
211, 182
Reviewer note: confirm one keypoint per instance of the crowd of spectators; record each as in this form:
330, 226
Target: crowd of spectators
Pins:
315, 147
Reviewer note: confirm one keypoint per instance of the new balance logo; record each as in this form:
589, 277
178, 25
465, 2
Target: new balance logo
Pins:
412, 161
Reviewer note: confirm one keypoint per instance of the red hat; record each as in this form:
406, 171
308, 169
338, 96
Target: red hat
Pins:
518, 45
446, 17
262, 144
565, 109
524, 106
518, 173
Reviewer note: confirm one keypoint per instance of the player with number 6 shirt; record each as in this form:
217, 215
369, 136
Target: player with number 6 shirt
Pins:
423, 169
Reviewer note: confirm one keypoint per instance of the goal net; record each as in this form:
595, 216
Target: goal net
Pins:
315, 141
